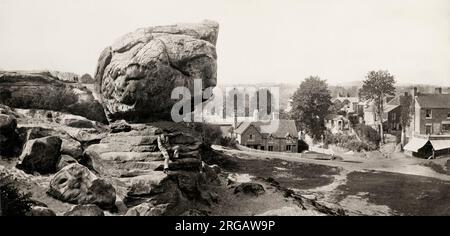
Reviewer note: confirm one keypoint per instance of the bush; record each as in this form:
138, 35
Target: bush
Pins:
13, 202
368, 134
211, 134
228, 142
350, 142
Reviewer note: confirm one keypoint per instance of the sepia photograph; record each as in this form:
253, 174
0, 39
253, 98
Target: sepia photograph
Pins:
251, 108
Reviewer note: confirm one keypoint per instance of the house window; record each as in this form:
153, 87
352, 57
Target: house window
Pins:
270, 148
251, 136
288, 147
428, 114
445, 127
394, 116
448, 115
262, 147
428, 129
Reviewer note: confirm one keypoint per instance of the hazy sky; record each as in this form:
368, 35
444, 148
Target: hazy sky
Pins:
259, 41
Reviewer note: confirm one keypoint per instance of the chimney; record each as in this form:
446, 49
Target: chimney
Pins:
414, 92
438, 90
255, 115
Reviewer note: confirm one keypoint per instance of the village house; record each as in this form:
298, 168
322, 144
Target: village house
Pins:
430, 125
392, 115
274, 135
337, 123
351, 104
370, 116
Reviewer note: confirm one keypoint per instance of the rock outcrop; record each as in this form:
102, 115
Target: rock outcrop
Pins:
9, 137
78, 185
42, 90
41, 211
135, 76
86, 79
85, 210
41, 155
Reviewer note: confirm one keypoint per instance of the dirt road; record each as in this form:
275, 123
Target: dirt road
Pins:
362, 186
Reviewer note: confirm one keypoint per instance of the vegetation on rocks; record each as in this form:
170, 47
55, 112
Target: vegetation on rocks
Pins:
13, 202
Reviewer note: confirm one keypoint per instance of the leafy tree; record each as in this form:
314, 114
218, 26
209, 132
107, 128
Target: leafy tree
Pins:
376, 87
311, 103
405, 116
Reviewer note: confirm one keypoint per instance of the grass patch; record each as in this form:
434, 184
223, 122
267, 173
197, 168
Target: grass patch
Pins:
288, 174
405, 194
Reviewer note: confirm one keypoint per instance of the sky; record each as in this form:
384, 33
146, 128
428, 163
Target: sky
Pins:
259, 41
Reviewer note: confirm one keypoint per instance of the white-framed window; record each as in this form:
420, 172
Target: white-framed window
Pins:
428, 114
445, 127
428, 129
448, 116
288, 147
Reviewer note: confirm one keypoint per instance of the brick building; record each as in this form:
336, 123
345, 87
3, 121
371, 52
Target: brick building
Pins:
274, 135
430, 125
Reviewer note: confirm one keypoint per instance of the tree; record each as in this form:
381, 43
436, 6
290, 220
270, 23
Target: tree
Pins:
376, 87
311, 103
405, 116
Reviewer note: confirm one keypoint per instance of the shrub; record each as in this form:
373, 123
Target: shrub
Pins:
350, 142
228, 142
211, 134
13, 202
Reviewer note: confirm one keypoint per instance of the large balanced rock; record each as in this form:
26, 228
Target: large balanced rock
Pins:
41, 155
135, 76
43, 90
78, 185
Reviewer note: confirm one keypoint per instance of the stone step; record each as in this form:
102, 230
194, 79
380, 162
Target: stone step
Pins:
121, 147
135, 140
144, 184
131, 156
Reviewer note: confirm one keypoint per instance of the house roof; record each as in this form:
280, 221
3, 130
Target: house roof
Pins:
350, 99
335, 117
434, 101
388, 108
276, 128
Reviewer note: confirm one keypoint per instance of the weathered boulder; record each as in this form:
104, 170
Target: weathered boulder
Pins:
42, 90
78, 185
41, 211
120, 126
86, 79
69, 145
8, 124
145, 184
69, 77
135, 76
65, 160
85, 210
250, 189
41, 155
9, 138
147, 209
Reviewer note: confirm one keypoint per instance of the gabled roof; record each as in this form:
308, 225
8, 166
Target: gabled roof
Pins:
388, 108
350, 99
434, 101
242, 127
276, 128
